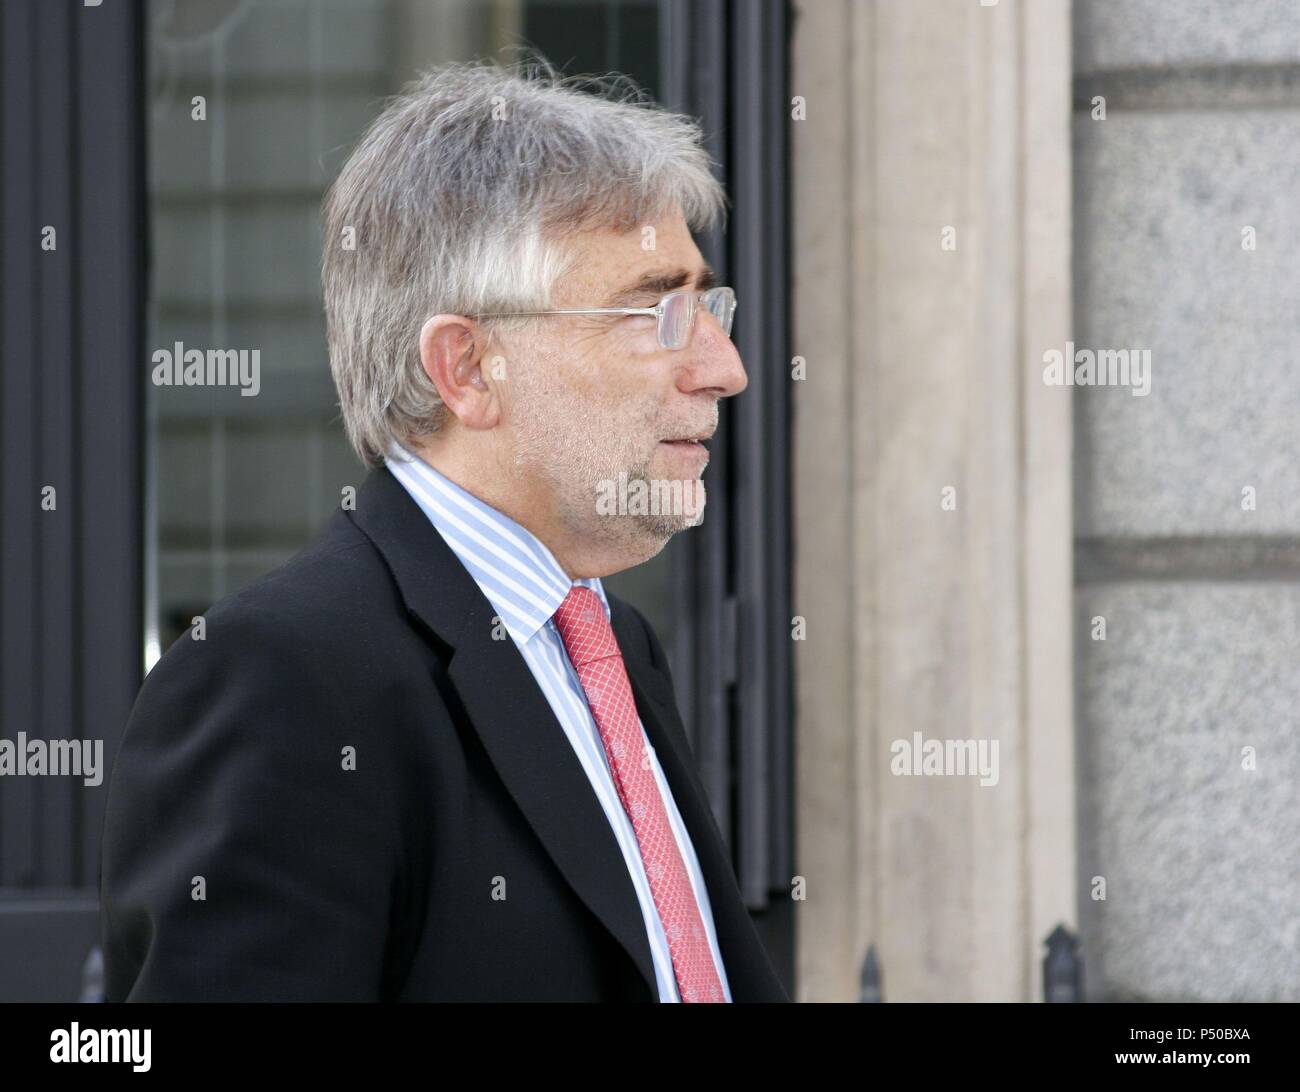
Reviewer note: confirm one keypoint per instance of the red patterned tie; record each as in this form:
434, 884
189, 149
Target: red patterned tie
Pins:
594, 653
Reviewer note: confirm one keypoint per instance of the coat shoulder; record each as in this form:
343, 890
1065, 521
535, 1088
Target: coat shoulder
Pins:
327, 596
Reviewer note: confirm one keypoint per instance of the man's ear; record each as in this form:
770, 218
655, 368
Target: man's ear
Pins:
451, 350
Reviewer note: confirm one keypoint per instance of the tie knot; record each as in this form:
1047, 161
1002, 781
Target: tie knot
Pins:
584, 629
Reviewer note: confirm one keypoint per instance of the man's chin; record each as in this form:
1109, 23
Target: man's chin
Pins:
653, 509
680, 516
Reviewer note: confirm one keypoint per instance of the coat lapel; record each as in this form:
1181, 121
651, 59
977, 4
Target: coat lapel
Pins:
532, 755
509, 712
750, 974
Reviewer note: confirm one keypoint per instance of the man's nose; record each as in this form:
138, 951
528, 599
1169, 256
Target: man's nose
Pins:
716, 363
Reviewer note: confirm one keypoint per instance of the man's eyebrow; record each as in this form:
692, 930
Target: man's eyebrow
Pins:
656, 284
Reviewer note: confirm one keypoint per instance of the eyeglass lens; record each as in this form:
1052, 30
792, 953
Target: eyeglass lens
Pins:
679, 313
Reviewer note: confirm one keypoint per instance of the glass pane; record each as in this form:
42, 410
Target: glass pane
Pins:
253, 106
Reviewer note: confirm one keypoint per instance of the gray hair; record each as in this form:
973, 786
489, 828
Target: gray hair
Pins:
458, 200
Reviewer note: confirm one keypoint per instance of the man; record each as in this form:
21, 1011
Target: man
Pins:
430, 758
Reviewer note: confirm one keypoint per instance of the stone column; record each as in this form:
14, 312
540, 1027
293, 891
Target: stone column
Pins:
933, 565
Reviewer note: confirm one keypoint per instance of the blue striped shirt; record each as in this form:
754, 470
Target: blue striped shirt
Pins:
526, 585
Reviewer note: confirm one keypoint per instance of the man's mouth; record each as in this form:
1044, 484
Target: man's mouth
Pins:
689, 452
697, 440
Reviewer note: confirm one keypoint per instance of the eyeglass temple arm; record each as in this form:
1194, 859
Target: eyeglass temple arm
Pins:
579, 311
572, 311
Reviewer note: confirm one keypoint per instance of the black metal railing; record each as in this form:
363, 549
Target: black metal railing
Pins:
1062, 971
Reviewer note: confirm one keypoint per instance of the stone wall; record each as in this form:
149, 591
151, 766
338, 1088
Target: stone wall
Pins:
1189, 735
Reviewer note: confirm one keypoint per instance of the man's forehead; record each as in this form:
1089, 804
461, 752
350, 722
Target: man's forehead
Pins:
667, 239
652, 258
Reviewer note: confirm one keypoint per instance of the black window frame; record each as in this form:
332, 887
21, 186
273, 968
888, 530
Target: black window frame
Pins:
71, 403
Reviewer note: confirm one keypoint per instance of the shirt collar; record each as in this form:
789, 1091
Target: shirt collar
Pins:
513, 567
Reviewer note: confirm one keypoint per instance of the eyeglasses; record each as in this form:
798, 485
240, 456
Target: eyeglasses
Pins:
676, 313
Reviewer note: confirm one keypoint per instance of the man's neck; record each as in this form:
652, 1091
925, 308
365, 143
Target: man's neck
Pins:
579, 557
